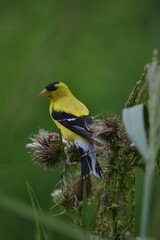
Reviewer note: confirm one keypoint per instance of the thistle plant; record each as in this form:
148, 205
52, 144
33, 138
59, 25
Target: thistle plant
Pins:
118, 159
146, 137
45, 149
106, 207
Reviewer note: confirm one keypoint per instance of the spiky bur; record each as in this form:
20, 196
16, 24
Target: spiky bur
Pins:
104, 132
45, 149
48, 150
68, 198
105, 129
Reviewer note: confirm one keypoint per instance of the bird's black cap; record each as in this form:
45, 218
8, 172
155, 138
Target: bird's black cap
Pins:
51, 87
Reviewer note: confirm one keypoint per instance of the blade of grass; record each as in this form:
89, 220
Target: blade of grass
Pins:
21, 209
146, 202
42, 229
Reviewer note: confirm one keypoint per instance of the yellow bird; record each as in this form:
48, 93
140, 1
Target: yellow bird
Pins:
72, 118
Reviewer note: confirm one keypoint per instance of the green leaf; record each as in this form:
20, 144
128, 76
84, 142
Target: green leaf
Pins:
21, 209
133, 119
42, 229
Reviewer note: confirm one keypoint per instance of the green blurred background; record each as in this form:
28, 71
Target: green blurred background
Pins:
99, 48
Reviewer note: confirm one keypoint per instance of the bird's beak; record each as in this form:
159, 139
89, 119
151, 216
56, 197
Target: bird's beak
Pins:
44, 93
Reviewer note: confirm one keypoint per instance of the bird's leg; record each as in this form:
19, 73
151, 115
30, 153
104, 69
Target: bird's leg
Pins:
87, 153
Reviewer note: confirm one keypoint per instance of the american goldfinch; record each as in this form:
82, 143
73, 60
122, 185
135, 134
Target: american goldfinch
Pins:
72, 118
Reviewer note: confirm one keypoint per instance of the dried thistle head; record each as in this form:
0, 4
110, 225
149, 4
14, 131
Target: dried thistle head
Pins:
65, 197
105, 129
45, 149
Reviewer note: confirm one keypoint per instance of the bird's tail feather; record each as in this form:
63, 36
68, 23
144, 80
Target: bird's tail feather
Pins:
89, 164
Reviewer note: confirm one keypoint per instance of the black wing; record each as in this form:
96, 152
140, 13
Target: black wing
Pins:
78, 125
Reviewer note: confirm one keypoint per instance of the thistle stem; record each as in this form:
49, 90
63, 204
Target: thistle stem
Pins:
148, 182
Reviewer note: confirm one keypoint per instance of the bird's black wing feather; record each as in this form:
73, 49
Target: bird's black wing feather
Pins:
78, 125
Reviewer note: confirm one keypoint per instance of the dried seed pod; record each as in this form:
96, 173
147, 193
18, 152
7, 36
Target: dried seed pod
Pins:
45, 149
105, 129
